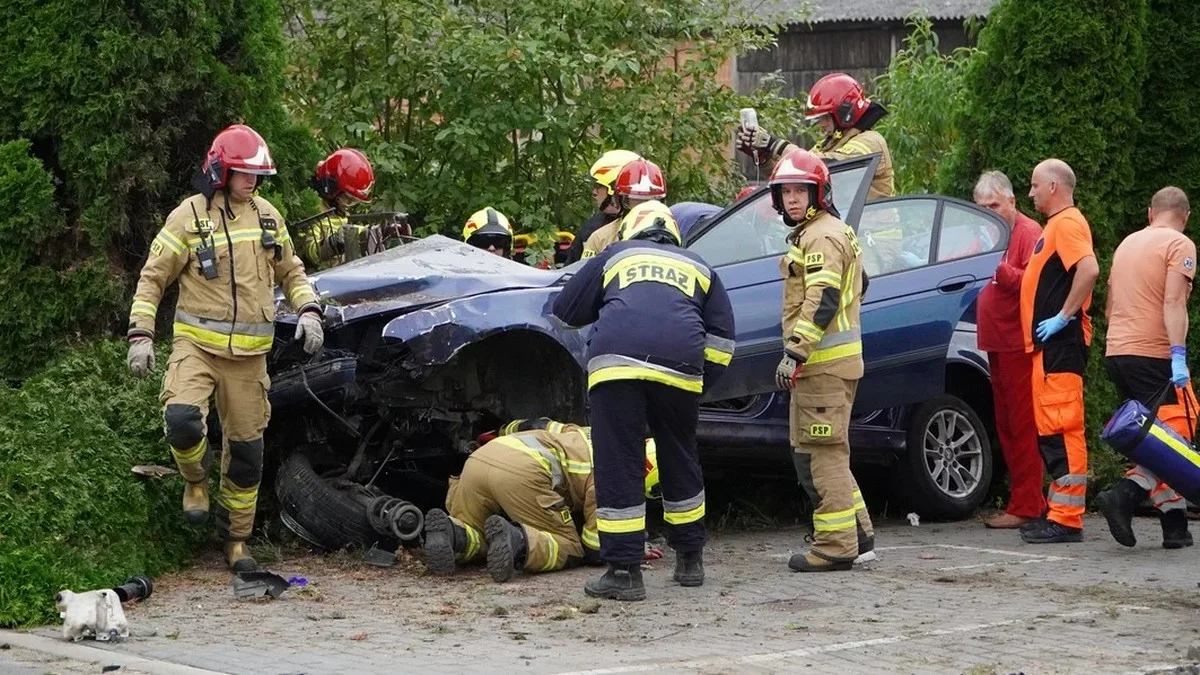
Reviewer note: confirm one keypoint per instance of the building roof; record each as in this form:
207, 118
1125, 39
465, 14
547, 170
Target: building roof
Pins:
825, 11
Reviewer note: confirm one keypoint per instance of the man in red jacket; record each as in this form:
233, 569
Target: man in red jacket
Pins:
998, 312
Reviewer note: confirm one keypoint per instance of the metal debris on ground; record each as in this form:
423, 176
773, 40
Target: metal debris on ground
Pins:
153, 470
251, 585
914, 520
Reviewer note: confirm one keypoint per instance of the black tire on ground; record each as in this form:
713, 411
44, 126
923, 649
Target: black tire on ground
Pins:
947, 471
319, 512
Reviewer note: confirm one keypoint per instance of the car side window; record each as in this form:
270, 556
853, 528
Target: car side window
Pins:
756, 231
896, 235
753, 231
965, 233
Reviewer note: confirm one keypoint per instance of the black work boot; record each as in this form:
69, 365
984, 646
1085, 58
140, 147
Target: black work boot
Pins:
506, 547
1118, 504
689, 568
620, 582
1175, 529
444, 540
866, 547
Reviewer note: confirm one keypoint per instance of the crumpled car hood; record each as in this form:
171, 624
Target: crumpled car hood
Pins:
422, 273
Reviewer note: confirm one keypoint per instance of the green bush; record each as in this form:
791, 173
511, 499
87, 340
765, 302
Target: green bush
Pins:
1061, 79
922, 89
119, 102
72, 515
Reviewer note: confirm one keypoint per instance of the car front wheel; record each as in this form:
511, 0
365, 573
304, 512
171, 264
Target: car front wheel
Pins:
949, 460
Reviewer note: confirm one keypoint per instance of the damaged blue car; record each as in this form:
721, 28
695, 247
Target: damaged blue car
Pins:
431, 344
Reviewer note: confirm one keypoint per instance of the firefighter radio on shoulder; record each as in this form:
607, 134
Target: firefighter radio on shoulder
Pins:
206, 253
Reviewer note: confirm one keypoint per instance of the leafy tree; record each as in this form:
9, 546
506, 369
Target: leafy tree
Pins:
1061, 79
922, 89
507, 103
118, 103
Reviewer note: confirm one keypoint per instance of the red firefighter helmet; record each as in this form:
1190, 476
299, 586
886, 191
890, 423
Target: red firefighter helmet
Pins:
237, 148
641, 179
346, 171
801, 167
839, 95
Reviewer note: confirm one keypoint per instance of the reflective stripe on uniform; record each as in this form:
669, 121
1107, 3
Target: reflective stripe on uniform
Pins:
855, 147
170, 241
474, 542
218, 238
191, 455
685, 511
1066, 499
719, 350
591, 538
822, 278
835, 521
238, 499
220, 334
809, 330
837, 345
621, 521
144, 308
550, 460
551, 552
661, 266
859, 504
301, 295
616, 367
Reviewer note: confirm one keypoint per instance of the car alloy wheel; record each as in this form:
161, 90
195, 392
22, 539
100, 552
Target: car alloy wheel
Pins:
953, 453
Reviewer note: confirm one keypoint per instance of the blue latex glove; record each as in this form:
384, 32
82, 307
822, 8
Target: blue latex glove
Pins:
1050, 326
1179, 370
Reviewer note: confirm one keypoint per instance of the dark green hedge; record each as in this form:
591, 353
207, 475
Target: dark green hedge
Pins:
119, 103
72, 514
1063, 79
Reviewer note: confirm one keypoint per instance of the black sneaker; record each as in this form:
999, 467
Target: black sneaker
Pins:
1051, 532
1035, 524
620, 582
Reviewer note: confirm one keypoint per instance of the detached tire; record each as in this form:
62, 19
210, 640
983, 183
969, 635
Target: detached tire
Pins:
949, 463
320, 513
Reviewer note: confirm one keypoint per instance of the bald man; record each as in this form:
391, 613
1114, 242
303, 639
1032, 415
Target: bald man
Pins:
1056, 292
1145, 348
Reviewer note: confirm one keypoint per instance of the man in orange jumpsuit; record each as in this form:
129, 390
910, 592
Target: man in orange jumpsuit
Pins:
1056, 292
1145, 348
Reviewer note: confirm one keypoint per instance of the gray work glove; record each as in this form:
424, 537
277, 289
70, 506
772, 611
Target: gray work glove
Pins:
141, 357
309, 329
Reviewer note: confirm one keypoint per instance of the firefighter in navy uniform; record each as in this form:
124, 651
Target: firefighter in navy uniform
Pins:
822, 362
663, 331
228, 249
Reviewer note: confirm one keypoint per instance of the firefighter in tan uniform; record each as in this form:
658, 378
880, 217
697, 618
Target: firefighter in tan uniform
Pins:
342, 180
228, 249
822, 363
538, 473
639, 181
838, 104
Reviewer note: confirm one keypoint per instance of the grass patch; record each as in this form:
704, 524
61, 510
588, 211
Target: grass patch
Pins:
72, 514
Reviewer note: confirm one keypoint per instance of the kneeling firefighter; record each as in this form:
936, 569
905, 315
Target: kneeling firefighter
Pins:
228, 249
822, 362
539, 473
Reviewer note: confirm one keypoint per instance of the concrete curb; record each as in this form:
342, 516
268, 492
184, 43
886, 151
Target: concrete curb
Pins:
80, 652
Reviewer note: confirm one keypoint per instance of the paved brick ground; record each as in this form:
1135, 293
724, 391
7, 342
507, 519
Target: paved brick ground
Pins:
942, 599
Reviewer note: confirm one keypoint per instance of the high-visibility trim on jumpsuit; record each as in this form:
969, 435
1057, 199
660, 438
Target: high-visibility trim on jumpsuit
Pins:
663, 331
224, 326
1059, 362
821, 305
